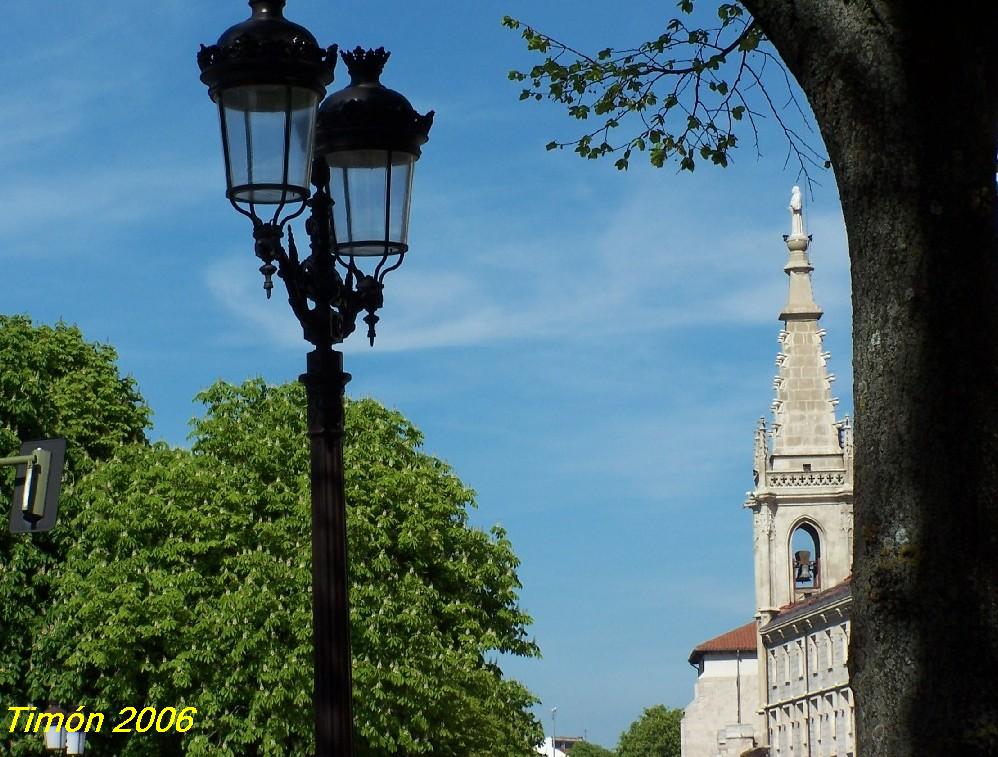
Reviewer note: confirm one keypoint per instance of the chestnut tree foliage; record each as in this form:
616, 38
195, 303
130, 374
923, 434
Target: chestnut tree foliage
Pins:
53, 383
588, 749
654, 734
183, 579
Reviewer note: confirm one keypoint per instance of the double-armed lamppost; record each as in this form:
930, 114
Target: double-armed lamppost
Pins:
267, 76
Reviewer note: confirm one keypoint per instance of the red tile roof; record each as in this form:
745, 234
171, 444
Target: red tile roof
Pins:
741, 639
796, 610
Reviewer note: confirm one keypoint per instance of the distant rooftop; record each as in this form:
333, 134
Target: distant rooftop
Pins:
741, 639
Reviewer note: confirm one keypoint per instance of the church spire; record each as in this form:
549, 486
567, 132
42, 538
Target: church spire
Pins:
800, 299
804, 410
802, 501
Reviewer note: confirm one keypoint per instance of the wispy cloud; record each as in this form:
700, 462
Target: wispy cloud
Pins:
637, 274
44, 212
662, 455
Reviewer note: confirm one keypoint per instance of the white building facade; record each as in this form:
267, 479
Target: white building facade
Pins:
720, 718
809, 708
802, 537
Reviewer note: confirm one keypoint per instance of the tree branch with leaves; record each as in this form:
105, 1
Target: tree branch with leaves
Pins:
682, 97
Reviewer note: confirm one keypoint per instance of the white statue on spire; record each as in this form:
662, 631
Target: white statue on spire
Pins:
796, 214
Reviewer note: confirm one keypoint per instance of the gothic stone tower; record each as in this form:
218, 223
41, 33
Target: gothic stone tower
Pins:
802, 501
797, 647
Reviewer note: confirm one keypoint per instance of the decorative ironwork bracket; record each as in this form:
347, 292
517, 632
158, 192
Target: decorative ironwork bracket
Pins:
327, 292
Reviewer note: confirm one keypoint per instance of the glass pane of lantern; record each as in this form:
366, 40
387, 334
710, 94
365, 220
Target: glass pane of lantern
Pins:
76, 742
55, 738
257, 122
364, 192
401, 192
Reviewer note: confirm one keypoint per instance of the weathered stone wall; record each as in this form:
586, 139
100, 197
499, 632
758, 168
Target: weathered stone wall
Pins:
715, 703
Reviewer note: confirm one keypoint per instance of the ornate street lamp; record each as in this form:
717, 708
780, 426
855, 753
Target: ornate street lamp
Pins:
55, 738
58, 739
267, 75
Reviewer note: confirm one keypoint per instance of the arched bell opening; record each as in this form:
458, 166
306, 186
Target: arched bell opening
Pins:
805, 559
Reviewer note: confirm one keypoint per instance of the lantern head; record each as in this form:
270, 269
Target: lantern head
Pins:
370, 137
267, 75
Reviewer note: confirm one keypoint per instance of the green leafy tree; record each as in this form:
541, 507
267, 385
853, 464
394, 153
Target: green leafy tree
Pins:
588, 749
53, 383
906, 101
189, 586
654, 734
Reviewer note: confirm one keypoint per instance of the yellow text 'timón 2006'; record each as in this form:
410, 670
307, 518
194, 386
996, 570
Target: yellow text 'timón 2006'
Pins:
30, 720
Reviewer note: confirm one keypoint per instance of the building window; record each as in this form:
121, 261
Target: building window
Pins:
850, 716
783, 729
813, 736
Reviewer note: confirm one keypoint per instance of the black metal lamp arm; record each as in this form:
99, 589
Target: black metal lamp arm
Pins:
325, 303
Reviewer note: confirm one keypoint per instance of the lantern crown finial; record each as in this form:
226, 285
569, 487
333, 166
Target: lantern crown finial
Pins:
365, 66
267, 7
366, 114
267, 74
266, 48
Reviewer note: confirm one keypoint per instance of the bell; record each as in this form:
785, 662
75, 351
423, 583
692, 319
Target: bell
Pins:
802, 567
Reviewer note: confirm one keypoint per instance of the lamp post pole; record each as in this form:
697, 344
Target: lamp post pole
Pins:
554, 730
324, 383
267, 76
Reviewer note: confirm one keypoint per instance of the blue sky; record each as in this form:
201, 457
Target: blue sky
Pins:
589, 349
